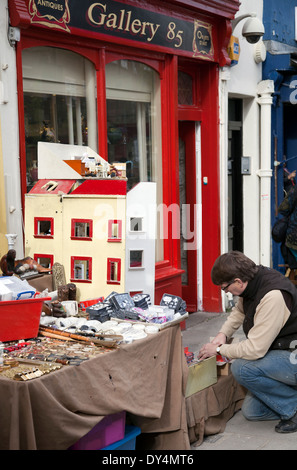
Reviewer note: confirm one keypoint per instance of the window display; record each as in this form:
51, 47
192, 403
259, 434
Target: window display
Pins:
59, 101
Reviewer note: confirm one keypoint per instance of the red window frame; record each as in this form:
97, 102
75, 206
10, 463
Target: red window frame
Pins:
81, 258
40, 219
86, 221
110, 237
43, 255
110, 262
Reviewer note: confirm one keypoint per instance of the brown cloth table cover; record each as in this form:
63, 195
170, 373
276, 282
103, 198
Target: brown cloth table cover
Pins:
209, 410
147, 378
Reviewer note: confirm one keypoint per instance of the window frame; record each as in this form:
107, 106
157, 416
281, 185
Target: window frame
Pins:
36, 257
82, 221
36, 229
72, 264
109, 263
110, 238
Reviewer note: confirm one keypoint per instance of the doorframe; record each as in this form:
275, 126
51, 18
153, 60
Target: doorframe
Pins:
199, 275
197, 299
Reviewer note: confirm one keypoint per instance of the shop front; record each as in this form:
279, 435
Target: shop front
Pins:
137, 82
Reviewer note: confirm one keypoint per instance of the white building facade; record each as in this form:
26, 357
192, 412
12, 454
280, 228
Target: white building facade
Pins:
245, 147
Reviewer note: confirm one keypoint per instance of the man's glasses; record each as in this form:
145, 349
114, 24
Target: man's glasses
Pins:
228, 285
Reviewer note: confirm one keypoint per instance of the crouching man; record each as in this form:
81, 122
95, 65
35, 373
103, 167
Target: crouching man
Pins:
264, 363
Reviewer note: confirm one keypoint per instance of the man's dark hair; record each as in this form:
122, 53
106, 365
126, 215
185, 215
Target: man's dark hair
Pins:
233, 265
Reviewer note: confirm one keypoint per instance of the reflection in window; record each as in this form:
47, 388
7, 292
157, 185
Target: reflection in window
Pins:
132, 118
59, 101
133, 103
185, 89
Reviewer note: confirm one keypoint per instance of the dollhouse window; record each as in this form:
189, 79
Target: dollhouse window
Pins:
136, 259
43, 227
44, 260
81, 269
114, 230
113, 270
136, 224
81, 229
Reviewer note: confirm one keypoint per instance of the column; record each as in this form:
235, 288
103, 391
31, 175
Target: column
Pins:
265, 91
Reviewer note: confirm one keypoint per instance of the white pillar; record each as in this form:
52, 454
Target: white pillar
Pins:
225, 76
265, 91
223, 96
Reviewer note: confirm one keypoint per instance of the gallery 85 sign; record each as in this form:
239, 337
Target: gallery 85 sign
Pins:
125, 21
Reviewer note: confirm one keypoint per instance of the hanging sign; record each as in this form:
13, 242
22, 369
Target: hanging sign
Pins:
123, 21
234, 50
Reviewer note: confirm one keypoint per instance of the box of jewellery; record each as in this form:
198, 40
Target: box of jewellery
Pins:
19, 319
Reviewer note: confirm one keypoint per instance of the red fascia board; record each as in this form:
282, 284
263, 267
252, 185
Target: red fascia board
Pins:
107, 187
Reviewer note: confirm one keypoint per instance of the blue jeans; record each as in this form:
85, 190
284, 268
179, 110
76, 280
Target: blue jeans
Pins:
272, 385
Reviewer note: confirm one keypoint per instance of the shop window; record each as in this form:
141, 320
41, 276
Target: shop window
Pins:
136, 259
185, 89
114, 230
136, 224
81, 229
44, 260
113, 270
43, 227
81, 269
133, 103
134, 118
59, 101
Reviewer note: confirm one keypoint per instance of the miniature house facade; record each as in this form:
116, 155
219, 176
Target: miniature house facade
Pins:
81, 224
84, 232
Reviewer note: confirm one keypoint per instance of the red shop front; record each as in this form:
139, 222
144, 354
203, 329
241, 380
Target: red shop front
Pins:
138, 82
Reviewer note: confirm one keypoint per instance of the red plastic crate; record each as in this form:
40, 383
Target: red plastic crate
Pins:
87, 303
19, 319
109, 430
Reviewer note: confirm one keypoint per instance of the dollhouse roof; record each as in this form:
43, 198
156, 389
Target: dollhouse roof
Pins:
45, 186
102, 186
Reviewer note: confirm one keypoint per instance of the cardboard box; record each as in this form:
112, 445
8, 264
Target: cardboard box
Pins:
224, 369
201, 375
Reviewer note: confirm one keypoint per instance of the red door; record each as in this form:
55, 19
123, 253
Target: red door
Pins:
188, 214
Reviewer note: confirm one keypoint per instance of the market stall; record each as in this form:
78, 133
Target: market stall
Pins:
145, 378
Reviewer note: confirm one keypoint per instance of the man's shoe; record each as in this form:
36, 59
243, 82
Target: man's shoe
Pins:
287, 425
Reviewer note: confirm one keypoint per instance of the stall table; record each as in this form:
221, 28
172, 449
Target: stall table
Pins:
146, 378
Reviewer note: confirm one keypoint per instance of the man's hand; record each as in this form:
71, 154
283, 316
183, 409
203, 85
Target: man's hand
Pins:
207, 350
210, 349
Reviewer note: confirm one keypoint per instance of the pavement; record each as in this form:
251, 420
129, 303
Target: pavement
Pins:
239, 433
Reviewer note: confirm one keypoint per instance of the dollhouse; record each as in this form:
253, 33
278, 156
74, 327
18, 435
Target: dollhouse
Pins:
80, 222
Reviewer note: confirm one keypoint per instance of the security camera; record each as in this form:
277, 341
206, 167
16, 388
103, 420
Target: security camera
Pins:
253, 30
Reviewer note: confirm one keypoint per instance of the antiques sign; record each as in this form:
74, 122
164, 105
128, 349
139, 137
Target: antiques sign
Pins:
124, 21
